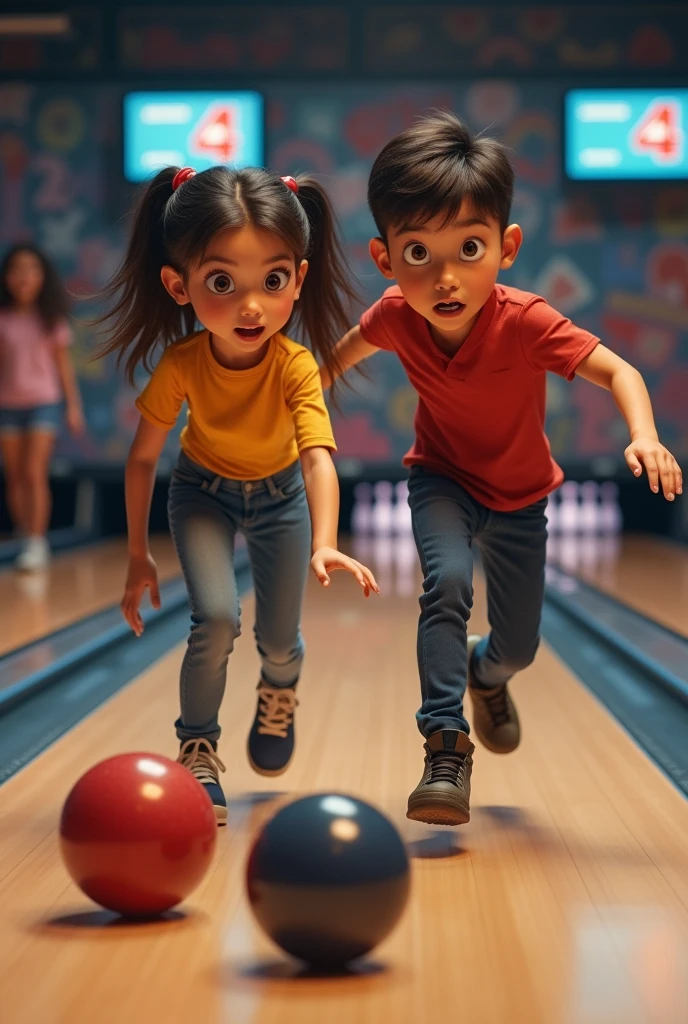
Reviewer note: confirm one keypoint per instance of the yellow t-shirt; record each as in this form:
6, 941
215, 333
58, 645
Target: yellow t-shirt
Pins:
241, 424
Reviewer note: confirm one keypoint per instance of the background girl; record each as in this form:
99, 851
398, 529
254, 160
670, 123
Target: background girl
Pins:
228, 249
36, 379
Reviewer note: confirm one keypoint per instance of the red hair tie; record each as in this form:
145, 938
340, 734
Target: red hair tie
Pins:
291, 183
181, 176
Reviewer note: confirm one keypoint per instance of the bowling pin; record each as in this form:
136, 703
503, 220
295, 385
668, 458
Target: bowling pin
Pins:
610, 509
406, 558
569, 509
589, 507
383, 510
383, 558
402, 512
362, 514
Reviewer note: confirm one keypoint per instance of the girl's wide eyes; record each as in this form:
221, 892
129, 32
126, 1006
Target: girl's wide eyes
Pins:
472, 249
219, 283
416, 254
277, 280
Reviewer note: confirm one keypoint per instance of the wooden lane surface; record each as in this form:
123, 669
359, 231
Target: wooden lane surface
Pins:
77, 583
564, 901
647, 573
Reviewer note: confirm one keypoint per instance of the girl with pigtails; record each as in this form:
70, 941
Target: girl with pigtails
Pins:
245, 254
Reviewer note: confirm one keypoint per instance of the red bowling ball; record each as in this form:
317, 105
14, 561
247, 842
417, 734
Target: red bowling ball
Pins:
138, 834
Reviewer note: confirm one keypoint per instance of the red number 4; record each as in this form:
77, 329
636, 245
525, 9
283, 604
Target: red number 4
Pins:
216, 135
659, 134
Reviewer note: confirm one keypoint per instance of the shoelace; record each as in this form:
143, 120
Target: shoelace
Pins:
276, 710
497, 706
201, 760
447, 766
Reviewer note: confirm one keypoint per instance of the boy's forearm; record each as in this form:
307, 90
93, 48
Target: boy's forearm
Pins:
633, 402
349, 351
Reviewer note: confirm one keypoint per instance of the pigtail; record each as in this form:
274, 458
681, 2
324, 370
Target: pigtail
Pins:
142, 313
324, 310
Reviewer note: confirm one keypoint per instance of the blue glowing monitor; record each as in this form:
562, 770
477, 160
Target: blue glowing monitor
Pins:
195, 129
615, 134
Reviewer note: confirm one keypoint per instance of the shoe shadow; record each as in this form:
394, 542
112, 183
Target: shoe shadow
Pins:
436, 846
243, 801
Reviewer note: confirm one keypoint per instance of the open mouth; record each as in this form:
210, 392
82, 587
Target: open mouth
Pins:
249, 333
449, 308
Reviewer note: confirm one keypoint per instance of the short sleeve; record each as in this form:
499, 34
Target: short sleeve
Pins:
373, 327
61, 336
304, 395
552, 342
162, 398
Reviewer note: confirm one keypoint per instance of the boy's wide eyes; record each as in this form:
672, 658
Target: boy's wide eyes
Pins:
416, 254
219, 283
472, 249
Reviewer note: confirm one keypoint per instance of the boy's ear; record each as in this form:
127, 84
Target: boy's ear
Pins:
511, 243
380, 255
174, 283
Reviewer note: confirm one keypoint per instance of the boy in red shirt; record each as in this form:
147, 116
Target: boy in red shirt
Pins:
480, 468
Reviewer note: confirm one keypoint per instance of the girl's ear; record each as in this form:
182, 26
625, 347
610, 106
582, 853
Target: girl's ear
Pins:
301, 272
174, 283
511, 243
380, 255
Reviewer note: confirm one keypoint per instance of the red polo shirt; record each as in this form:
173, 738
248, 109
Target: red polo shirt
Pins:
481, 414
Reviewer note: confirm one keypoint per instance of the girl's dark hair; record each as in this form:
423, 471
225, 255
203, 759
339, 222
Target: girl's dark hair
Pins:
52, 302
175, 228
429, 169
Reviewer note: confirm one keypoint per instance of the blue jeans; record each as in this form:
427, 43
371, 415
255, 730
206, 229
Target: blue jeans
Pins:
44, 418
446, 523
205, 513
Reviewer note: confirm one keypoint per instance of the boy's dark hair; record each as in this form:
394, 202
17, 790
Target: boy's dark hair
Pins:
429, 169
52, 302
175, 228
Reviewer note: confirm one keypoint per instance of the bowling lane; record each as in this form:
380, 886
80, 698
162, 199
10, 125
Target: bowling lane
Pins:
648, 573
564, 901
77, 583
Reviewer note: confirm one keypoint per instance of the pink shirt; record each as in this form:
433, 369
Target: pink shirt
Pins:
28, 369
481, 414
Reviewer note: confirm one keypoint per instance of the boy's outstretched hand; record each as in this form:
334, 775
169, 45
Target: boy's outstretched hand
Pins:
327, 560
659, 464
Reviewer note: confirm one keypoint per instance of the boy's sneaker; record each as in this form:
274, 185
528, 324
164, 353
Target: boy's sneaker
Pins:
34, 556
271, 739
200, 757
495, 718
442, 797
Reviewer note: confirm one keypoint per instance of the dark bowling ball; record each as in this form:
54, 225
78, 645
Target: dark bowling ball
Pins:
328, 878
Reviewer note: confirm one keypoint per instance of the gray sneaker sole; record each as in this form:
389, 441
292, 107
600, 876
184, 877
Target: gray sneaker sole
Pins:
437, 810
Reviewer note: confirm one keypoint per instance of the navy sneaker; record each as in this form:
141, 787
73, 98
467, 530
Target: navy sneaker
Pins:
200, 757
271, 739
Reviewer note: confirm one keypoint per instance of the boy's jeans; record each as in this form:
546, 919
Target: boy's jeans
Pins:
205, 513
446, 522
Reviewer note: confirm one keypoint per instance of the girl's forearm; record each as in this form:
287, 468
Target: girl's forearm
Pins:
139, 480
322, 491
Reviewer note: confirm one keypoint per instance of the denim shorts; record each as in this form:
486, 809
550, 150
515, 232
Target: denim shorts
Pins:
44, 418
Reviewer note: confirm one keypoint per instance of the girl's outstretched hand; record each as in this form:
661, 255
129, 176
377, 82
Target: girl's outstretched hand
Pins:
327, 560
143, 572
660, 465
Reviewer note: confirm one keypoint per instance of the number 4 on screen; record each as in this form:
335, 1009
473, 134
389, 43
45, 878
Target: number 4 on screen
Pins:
659, 133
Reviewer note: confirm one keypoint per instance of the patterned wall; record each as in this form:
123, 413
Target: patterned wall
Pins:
614, 259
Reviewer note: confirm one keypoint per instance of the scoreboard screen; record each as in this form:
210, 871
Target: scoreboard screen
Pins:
196, 129
615, 134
